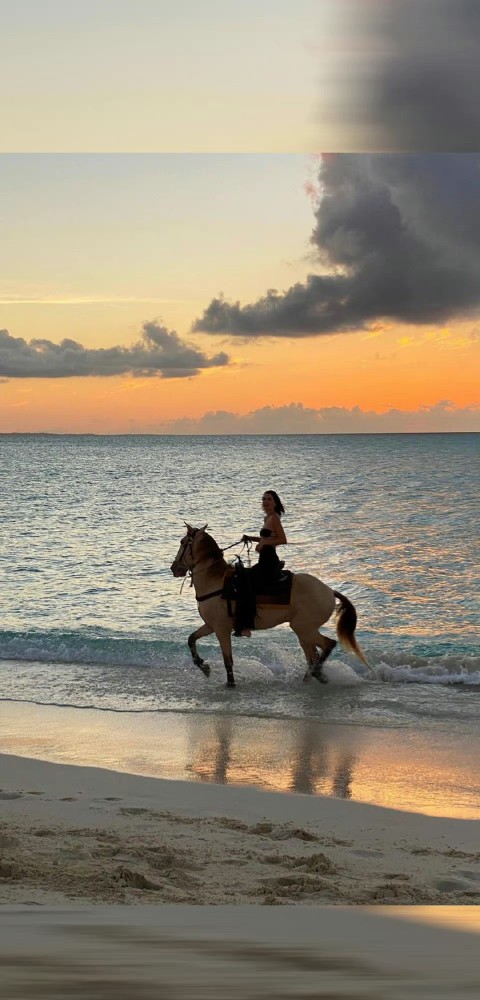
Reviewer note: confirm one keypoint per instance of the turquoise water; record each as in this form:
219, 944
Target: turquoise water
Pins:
92, 617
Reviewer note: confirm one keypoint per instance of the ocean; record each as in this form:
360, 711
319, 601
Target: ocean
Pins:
91, 617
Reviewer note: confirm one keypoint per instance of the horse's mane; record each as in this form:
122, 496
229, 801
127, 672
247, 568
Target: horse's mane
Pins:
209, 547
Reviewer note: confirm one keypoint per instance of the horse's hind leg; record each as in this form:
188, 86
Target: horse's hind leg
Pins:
192, 645
326, 645
315, 659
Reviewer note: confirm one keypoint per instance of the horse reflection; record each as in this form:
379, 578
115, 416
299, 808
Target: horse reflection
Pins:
313, 771
343, 776
305, 761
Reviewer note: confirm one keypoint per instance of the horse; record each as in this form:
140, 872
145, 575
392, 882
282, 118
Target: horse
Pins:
311, 605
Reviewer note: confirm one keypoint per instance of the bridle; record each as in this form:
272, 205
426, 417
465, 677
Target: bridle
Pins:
189, 571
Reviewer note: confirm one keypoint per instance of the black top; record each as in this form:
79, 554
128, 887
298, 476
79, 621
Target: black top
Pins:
265, 533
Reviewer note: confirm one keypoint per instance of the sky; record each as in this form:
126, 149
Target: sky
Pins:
150, 75
112, 264
181, 250
239, 75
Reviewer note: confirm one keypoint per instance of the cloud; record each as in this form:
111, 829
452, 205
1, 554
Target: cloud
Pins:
12, 299
396, 237
298, 419
402, 75
159, 352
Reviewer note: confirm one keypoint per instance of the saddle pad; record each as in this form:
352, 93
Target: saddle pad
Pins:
278, 593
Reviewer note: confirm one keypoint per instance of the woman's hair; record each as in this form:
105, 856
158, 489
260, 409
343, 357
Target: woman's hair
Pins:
280, 509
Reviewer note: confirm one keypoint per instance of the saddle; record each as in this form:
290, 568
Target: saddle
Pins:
277, 592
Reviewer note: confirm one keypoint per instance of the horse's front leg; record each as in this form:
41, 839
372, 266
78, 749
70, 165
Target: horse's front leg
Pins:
192, 645
225, 640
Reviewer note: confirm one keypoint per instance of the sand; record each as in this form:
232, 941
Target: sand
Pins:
93, 836
173, 952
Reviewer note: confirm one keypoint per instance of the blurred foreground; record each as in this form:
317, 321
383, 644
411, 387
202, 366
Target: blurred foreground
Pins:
238, 952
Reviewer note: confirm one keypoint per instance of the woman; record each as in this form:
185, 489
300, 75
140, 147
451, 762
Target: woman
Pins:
268, 566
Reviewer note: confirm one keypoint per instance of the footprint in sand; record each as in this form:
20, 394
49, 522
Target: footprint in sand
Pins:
390, 892
74, 853
295, 885
8, 870
133, 811
318, 863
232, 824
109, 798
266, 829
367, 854
7, 841
472, 876
164, 860
281, 832
453, 885
135, 880
11, 795
106, 851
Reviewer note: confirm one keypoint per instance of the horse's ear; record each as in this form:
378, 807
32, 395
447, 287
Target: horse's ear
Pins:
205, 526
189, 528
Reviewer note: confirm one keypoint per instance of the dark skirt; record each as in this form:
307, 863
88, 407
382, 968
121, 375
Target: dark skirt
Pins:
267, 568
252, 582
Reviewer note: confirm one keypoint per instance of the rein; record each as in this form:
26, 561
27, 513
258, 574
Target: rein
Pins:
232, 546
213, 593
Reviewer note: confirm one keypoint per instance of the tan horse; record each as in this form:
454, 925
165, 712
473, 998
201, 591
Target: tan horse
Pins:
311, 605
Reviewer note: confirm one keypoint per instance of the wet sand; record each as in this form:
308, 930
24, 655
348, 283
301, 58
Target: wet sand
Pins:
433, 773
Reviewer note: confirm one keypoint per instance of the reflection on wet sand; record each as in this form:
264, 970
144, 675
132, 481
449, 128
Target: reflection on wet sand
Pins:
343, 776
437, 774
308, 757
223, 752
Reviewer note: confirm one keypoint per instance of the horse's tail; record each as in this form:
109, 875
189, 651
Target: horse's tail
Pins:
346, 625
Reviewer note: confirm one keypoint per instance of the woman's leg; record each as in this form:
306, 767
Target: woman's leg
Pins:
245, 604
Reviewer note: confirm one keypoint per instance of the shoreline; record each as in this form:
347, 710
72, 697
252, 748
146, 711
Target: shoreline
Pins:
83, 834
308, 757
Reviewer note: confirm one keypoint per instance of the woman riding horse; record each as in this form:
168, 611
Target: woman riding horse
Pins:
311, 605
268, 567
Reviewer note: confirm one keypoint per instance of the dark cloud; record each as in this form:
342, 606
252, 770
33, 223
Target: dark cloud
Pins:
428, 89
298, 419
405, 77
397, 237
159, 352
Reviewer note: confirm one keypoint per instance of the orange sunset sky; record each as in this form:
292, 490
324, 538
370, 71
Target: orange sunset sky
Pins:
98, 248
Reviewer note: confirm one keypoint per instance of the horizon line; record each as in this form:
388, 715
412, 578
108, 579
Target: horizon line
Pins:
162, 434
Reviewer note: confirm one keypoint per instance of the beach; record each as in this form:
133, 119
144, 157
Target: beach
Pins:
280, 840
90, 835
435, 773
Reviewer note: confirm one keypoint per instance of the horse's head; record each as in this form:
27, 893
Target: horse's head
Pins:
188, 552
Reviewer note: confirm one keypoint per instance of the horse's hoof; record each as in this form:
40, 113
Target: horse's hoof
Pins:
306, 677
230, 684
320, 676
205, 669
